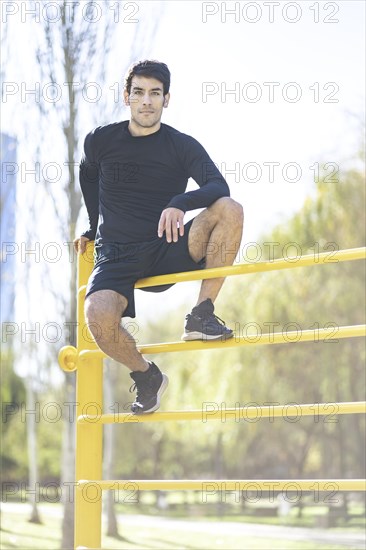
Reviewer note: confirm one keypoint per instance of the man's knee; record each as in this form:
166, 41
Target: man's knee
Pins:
103, 312
230, 209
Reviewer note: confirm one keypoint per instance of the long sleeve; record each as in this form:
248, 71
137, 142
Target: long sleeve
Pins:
89, 183
127, 181
199, 166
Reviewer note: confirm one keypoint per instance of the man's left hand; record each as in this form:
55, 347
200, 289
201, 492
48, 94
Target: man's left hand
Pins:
171, 221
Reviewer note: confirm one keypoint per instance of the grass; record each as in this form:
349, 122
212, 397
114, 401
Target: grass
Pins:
18, 533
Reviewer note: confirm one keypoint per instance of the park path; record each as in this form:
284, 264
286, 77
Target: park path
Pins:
354, 540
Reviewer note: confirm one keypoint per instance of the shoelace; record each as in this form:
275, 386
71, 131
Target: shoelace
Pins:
208, 315
146, 385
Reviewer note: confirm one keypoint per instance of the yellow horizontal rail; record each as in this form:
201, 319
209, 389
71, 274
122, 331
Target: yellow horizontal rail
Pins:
321, 334
325, 258
219, 411
210, 486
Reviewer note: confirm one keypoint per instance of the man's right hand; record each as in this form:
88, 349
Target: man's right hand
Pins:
80, 244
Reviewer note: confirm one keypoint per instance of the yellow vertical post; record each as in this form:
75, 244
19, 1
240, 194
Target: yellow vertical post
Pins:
89, 437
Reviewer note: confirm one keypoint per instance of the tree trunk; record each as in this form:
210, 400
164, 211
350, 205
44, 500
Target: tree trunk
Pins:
219, 472
32, 452
68, 465
109, 439
342, 442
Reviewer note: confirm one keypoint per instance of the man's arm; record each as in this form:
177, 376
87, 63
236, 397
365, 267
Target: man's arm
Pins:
89, 183
200, 167
212, 186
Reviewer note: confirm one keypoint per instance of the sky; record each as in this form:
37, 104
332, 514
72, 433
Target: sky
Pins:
274, 91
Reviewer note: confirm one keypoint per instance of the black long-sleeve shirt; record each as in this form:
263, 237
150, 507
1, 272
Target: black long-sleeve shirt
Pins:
128, 181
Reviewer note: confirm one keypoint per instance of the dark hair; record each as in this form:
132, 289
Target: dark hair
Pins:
150, 69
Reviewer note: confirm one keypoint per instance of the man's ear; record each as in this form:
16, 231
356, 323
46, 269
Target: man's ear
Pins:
126, 97
166, 99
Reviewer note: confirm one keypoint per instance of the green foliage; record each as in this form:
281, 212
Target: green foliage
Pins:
49, 437
14, 455
13, 433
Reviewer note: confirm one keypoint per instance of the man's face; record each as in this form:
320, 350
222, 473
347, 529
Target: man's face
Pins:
146, 101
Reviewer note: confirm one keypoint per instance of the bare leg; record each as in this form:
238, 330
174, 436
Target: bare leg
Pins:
103, 311
216, 233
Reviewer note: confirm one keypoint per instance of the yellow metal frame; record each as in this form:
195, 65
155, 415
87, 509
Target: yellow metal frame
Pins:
209, 485
88, 360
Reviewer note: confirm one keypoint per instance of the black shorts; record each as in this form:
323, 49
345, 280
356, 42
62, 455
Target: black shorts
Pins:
118, 266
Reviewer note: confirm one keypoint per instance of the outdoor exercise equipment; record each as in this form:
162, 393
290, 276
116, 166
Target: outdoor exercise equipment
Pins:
87, 359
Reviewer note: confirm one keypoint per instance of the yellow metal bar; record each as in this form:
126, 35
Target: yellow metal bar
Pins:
322, 334
85, 340
82, 290
68, 358
89, 400
325, 258
219, 411
210, 486
88, 503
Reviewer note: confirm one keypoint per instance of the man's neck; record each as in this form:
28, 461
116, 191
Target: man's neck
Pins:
139, 131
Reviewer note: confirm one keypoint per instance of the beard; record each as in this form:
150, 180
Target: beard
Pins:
147, 121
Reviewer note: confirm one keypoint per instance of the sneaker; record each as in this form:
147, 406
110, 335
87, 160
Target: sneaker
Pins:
150, 386
202, 324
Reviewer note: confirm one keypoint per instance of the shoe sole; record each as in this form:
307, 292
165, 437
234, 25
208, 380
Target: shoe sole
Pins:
161, 390
200, 336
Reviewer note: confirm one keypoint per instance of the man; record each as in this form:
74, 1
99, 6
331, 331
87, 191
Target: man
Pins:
133, 177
